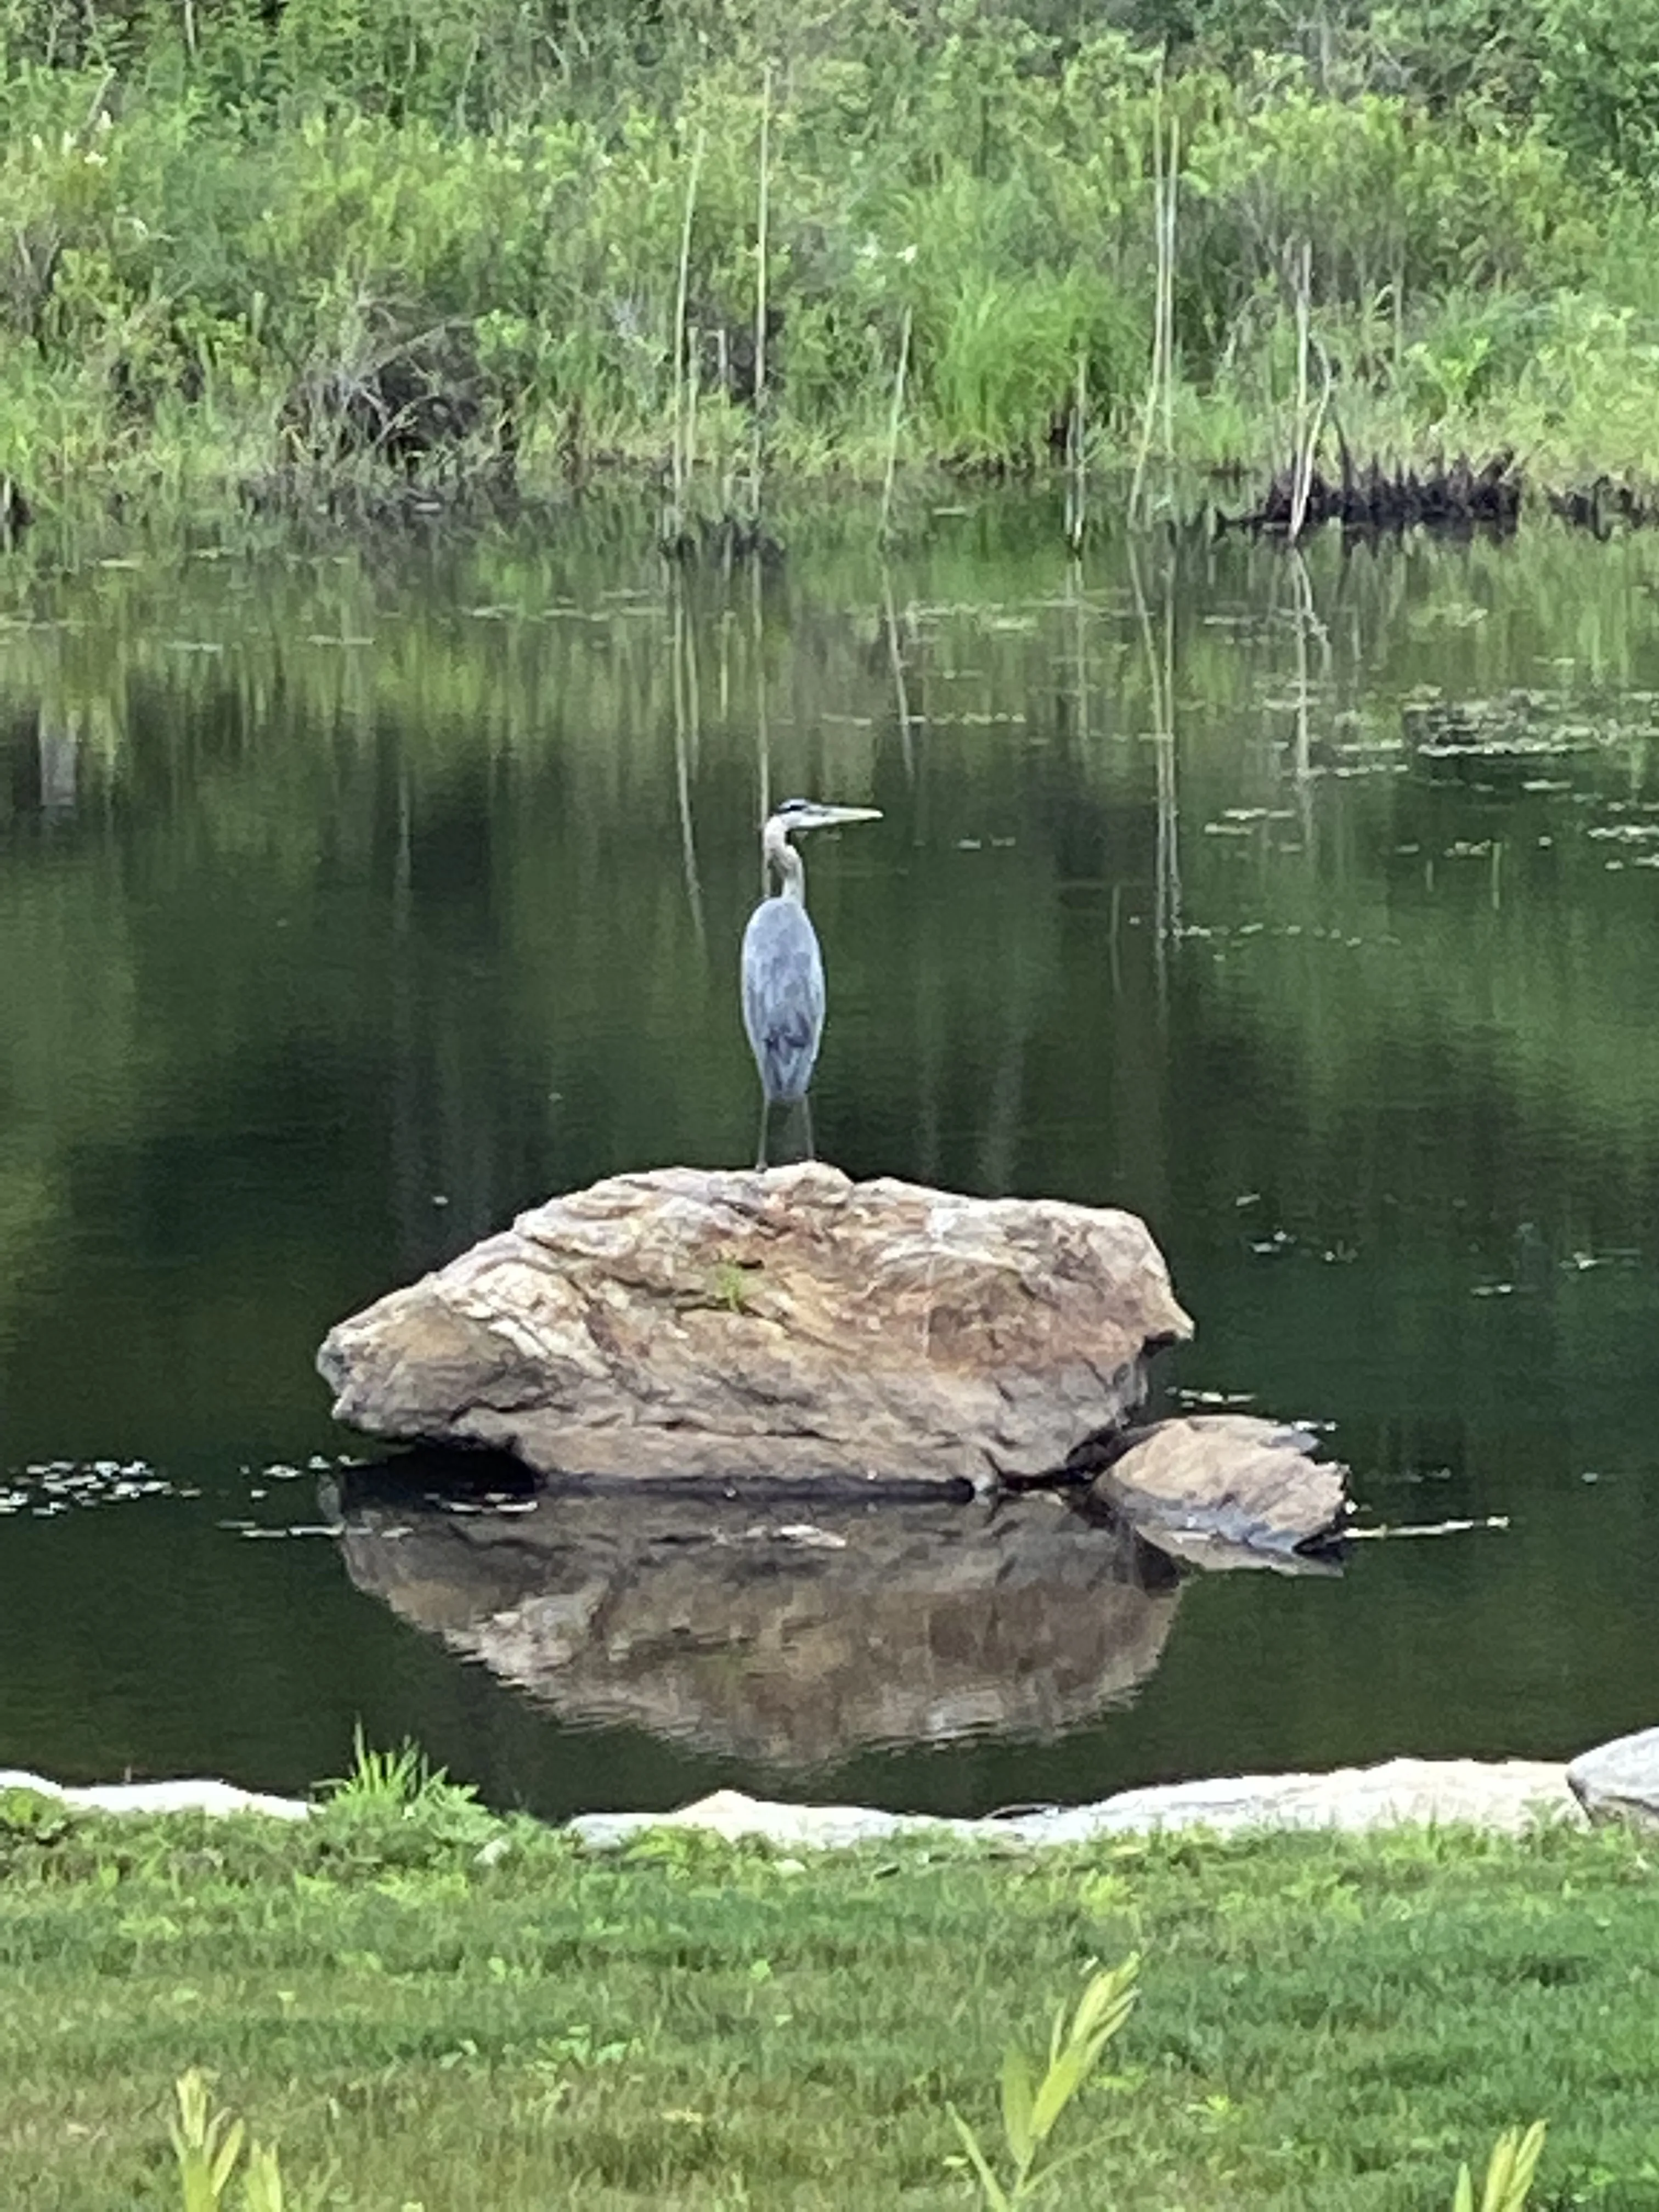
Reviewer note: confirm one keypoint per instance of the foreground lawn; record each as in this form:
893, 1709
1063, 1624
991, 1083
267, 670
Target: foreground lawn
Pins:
426, 2006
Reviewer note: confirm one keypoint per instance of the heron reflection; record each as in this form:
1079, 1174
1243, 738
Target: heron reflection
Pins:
783, 968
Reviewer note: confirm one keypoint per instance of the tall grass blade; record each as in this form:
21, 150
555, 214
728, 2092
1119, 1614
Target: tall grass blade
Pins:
1031, 2111
207, 2144
1511, 2170
994, 2194
894, 421
262, 2186
1018, 2104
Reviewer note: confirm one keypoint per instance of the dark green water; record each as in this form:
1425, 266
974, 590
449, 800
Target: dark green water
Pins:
347, 904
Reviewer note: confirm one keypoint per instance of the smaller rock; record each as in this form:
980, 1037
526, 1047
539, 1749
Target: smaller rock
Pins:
1227, 1481
1619, 1781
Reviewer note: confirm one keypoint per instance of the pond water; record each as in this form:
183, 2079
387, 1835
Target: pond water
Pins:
352, 900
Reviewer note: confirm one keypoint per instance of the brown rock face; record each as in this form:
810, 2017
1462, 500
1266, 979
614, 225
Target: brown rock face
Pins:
789, 1326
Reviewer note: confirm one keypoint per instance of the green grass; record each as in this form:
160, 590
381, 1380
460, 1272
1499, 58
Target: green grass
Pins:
420, 2005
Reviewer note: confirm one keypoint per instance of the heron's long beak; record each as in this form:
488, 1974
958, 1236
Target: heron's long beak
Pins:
830, 815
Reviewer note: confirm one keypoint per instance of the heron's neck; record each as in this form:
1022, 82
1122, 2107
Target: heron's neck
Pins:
782, 855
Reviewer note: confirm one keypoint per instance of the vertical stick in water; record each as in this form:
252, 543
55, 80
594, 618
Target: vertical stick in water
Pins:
1310, 424
1171, 178
1170, 810
1160, 678
763, 723
896, 660
761, 221
679, 460
893, 425
1307, 625
1080, 650
1077, 487
1159, 244
723, 383
684, 698
693, 393
1301, 460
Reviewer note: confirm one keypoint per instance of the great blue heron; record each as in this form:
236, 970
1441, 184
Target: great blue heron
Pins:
782, 966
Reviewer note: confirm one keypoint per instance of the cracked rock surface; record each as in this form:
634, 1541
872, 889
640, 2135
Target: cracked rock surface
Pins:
789, 1326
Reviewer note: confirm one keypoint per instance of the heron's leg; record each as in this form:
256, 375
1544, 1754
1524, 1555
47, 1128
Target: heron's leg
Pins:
806, 1116
760, 1144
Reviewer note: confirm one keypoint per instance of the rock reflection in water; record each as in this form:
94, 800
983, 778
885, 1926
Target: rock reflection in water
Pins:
790, 1635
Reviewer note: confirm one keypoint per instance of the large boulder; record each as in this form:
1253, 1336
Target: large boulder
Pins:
765, 1635
786, 1325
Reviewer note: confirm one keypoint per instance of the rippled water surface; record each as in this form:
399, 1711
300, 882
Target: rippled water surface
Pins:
349, 901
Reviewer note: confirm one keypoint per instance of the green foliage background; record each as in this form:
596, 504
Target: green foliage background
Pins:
208, 206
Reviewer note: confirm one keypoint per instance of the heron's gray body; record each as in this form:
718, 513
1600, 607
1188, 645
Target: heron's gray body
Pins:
783, 968
783, 996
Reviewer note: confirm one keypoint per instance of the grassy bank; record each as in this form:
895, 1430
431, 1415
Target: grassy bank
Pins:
292, 247
428, 2007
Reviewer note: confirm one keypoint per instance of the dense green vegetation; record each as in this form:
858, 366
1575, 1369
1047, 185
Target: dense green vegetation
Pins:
423, 2005
243, 242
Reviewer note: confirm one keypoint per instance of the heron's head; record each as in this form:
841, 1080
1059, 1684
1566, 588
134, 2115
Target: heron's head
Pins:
814, 814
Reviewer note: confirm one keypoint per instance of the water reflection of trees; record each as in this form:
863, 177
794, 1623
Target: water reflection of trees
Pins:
409, 860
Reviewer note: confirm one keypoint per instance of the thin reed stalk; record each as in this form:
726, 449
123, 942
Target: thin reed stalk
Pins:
723, 373
1077, 482
763, 226
1303, 303
1080, 650
1167, 254
762, 715
1160, 385
895, 419
1160, 678
684, 684
896, 661
1309, 419
678, 462
1308, 624
1149, 409
693, 396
